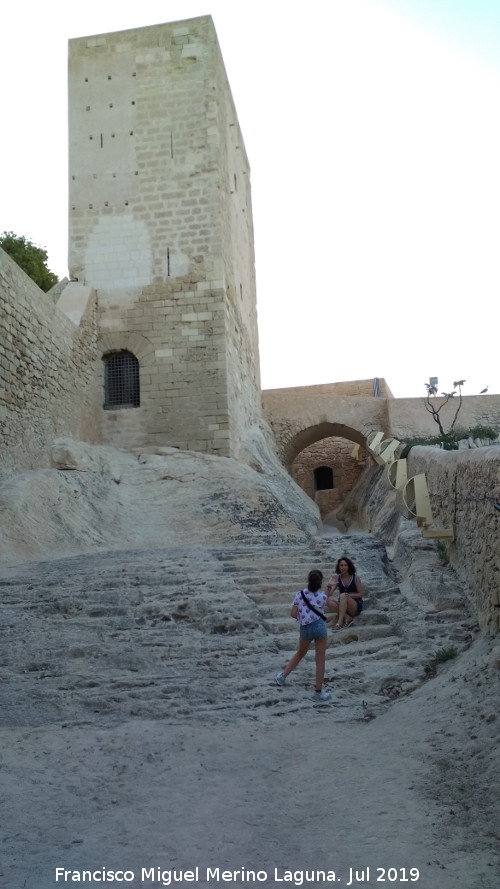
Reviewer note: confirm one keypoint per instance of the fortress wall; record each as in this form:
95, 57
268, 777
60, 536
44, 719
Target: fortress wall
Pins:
235, 211
182, 378
408, 418
47, 372
462, 487
157, 230
346, 387
302, 415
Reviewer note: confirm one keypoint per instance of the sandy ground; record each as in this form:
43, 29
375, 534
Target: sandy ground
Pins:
369, 801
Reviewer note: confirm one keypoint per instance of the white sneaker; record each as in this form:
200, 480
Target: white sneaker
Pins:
280, 679
322, 696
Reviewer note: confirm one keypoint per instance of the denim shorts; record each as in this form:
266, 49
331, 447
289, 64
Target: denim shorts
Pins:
315, 630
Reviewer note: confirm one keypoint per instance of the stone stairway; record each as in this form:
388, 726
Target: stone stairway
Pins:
389, 649
194, 633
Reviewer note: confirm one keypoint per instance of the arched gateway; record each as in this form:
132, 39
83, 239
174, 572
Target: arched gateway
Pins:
301, 416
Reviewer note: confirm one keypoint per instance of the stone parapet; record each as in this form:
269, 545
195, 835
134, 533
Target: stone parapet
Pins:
463, 489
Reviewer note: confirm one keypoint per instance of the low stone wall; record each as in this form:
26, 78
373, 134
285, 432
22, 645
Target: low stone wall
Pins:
463, 488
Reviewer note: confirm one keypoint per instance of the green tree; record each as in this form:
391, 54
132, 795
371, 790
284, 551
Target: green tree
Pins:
32, 259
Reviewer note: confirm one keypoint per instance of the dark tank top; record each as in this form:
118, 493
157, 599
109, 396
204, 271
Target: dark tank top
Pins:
351, 586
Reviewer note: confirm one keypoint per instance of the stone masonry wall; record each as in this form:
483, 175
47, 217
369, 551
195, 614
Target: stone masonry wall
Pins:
48, 380
301, 415
182, 379
336, 454
161, 227
408, 417
463, 489
242, 341
344, 387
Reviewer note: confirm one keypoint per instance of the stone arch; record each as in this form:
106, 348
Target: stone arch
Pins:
118, 341
323, 463
298, 417
113, 342
311, 434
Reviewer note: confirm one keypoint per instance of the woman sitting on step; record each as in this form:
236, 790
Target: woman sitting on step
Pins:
350, 602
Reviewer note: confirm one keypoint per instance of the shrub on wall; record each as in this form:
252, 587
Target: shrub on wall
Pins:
30, 258
449, 441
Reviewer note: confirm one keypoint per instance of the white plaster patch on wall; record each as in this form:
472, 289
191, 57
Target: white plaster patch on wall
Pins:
178, 265
118, 253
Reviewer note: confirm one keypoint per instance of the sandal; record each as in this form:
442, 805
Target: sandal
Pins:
348, 624
337, 627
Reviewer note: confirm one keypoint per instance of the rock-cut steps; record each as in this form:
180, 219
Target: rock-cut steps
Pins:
189, 633
389, 649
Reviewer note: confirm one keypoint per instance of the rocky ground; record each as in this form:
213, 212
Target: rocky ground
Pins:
141, 727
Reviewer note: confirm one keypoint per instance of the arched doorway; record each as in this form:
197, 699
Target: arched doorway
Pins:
328, 467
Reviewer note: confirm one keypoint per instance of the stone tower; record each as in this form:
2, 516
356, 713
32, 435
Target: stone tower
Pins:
160, 226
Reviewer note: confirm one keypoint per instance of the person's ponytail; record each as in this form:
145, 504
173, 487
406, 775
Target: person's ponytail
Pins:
314, 581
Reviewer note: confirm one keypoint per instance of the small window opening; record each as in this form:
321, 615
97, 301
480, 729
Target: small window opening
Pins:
323, 478
121, 381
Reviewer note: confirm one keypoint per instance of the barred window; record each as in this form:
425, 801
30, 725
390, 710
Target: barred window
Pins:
121, 381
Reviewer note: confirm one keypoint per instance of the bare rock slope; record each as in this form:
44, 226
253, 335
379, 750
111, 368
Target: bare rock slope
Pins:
144, 613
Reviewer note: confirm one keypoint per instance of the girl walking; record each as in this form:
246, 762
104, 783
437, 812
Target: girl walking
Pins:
307, 609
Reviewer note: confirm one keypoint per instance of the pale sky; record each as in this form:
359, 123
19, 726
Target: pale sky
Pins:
372, 129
